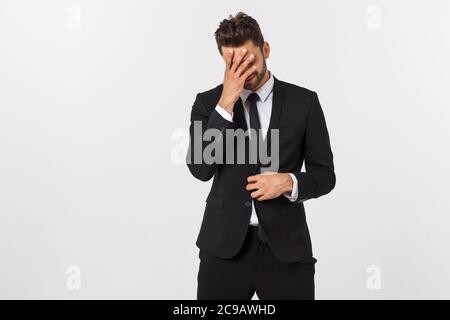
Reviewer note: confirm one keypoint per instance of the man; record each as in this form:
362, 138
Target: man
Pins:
254, 235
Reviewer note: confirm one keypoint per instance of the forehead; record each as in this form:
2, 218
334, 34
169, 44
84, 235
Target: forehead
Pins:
249, 45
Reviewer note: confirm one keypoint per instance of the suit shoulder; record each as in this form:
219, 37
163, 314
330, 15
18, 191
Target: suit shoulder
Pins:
296, 89
212, 93
210, 97
300, 98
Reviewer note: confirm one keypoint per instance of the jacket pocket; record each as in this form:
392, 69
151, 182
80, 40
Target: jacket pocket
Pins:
215, 200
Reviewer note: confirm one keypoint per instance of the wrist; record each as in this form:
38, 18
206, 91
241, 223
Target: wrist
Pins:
288, 183
228, 107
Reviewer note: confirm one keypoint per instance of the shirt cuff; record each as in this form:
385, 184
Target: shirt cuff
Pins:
225, 114
293, 195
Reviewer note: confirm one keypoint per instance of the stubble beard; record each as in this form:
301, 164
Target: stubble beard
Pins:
259, 77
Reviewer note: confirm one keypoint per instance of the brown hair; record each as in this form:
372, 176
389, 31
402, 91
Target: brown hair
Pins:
235, 31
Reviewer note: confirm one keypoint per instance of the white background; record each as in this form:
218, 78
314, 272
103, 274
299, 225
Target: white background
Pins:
95, 95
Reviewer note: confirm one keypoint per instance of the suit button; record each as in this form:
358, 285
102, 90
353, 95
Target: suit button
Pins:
248, 204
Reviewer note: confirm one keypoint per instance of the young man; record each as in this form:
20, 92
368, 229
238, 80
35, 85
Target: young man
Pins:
254, 235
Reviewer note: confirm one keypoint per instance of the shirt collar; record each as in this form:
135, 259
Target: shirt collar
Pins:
263, 92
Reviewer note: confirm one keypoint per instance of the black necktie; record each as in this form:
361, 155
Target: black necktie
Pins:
255, 125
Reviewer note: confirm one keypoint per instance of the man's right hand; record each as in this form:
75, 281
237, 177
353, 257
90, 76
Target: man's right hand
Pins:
237, 69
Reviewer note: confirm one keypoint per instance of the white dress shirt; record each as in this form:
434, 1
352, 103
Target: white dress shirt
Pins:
264, 106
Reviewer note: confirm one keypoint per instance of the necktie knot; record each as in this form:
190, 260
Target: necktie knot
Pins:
252, 98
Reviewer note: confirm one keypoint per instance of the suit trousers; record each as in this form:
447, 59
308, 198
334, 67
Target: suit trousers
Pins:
254, 269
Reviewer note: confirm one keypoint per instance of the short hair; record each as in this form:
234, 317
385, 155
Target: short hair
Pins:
235, 31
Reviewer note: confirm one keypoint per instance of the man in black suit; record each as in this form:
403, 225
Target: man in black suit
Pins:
254, 235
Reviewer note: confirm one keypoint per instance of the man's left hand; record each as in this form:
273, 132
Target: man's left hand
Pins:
269, 185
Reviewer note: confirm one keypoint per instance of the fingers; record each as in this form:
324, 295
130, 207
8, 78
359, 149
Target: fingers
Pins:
257, 194
237, 59
236, 63
257, 184
248, 72
262, 198
229, 58
251, 186
244, 65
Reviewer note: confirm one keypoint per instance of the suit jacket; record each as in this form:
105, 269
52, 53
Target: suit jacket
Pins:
303, 138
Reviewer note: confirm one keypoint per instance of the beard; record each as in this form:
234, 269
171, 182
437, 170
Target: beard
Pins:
259, 76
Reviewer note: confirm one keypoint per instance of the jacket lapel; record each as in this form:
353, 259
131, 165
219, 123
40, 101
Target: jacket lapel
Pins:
277, 106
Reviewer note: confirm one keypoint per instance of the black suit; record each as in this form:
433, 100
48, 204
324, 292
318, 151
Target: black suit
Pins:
303, 137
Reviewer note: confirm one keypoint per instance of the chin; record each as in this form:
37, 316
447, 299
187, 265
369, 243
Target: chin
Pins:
249, 86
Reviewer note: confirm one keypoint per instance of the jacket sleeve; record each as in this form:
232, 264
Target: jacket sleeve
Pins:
319, 178
206, 117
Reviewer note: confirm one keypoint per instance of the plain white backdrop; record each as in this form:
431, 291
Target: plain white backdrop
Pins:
95, 98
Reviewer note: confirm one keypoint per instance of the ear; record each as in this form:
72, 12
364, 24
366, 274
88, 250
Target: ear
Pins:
266, 50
